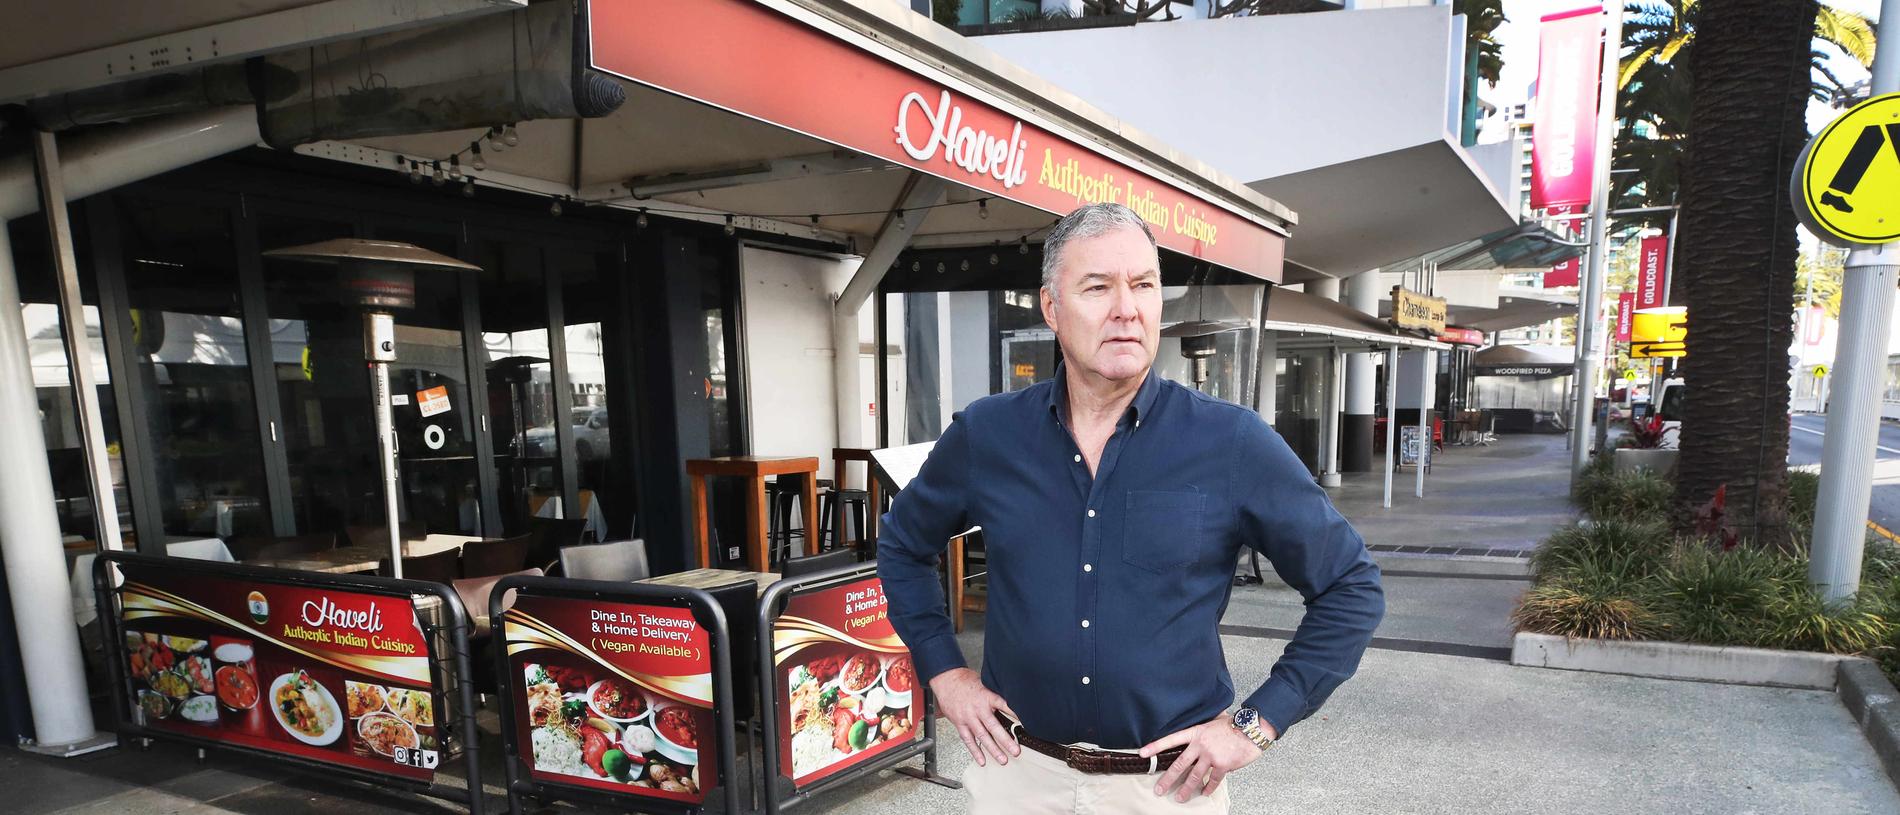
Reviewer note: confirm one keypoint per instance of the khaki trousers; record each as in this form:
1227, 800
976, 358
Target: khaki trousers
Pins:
1035, 784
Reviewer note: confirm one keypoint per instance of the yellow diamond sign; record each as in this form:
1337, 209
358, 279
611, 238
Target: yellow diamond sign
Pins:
1847, 180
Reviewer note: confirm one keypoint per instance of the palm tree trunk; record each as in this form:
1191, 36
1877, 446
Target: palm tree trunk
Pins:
1736, 255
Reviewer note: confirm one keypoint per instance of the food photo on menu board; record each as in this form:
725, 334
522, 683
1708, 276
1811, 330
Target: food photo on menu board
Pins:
613, 696
335, 676
849, 688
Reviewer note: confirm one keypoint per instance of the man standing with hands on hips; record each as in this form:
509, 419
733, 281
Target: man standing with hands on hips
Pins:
1113, 505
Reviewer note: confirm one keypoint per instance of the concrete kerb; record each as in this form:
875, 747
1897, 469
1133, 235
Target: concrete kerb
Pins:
1673, 660
1453, 566
1873, 703
1859, 683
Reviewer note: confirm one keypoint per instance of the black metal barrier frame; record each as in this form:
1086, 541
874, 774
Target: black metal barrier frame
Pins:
705, 608
780, 793
110, 626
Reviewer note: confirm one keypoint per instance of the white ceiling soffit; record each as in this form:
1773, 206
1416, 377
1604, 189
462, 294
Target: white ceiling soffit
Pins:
55, 47
641, 140
1369, 212
1516, 308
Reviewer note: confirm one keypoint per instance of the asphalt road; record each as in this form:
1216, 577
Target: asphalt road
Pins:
1804, 447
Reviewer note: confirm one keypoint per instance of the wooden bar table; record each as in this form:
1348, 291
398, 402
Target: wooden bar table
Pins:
754, 469
840, 455
713, 578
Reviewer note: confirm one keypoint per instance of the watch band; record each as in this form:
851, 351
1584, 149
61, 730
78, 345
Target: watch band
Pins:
1252, 729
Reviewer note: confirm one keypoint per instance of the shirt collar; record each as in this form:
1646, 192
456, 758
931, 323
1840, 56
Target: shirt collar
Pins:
1140, 408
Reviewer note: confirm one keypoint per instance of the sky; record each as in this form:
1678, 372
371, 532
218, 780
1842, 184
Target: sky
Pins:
1519, 37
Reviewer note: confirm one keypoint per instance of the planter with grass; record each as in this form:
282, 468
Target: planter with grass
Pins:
1627, 590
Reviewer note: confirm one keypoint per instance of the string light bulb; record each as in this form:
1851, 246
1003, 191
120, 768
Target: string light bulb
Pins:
554, 209
901, 223
439, 177
508, 136
494, 139
994, 245
477, 161
455, 166
415, 173
965, 266
983, 208
641, 219
730, 228
914, 265
1022, 245
468, 188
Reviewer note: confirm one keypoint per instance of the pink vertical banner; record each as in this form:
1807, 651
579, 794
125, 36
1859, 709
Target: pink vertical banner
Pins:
1563, 140
1625, 314
1652, 272
1562, 274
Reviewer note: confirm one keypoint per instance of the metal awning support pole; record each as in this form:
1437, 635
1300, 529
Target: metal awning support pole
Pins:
72, 323
1590, 305
1853, 426
919, 192
29, 525
1391, 415
1427, 371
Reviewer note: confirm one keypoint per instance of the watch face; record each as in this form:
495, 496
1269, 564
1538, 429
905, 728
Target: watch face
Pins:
1244, 717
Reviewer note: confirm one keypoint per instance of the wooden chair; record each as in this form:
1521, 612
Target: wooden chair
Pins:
492, 557
265, 546
442, 567
961, 547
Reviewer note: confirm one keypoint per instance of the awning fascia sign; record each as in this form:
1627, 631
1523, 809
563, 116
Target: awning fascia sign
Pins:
1367, 337
756, 60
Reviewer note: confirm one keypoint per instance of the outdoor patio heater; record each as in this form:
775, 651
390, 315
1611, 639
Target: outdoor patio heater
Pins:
378, 277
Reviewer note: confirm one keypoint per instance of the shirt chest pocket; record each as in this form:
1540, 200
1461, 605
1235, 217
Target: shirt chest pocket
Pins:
1163, 531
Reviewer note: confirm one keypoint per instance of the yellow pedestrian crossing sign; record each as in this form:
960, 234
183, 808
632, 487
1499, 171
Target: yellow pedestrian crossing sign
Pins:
1847, 180
1820, 371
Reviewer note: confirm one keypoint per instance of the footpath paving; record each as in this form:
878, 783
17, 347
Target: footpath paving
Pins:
1435, 721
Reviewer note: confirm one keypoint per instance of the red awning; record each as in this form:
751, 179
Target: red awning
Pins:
793, 68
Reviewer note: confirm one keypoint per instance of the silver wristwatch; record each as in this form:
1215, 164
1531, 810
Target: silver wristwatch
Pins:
1247, 721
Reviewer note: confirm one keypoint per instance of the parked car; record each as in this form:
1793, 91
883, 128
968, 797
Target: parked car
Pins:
1669, 405
590, 435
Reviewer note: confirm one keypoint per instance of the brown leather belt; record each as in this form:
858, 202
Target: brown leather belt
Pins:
1092, 762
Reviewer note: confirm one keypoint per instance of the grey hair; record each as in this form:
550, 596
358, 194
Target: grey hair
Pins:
1087, 221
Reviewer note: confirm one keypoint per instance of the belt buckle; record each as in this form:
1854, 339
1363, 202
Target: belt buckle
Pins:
1073, 758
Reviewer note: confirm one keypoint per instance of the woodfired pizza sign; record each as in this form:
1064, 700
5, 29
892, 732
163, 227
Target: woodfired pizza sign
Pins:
752, 60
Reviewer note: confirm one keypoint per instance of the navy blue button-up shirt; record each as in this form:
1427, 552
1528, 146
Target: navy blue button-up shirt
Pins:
1106, 593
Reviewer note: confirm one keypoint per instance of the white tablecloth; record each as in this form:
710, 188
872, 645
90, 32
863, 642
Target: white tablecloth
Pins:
596, 520
86, 607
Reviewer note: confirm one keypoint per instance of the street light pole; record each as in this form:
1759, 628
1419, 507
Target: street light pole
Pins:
1589, 311
1853, 421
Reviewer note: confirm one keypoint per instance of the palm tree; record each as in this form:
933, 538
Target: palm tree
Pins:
1654, 83
1735, 254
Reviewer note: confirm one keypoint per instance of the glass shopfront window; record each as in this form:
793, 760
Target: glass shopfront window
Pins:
193, 371
948, 349
521, 407
596, 323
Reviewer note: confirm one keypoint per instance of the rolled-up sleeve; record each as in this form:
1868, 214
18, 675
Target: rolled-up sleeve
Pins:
1290, 520
911, 539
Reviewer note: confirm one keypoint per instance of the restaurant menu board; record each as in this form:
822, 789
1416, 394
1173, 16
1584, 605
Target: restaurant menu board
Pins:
329, 675
613, 696
848, 690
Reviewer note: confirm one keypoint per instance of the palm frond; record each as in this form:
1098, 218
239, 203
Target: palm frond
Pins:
1850, 32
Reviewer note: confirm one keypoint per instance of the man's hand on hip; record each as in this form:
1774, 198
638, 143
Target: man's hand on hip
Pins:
972, 708
1214, 749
